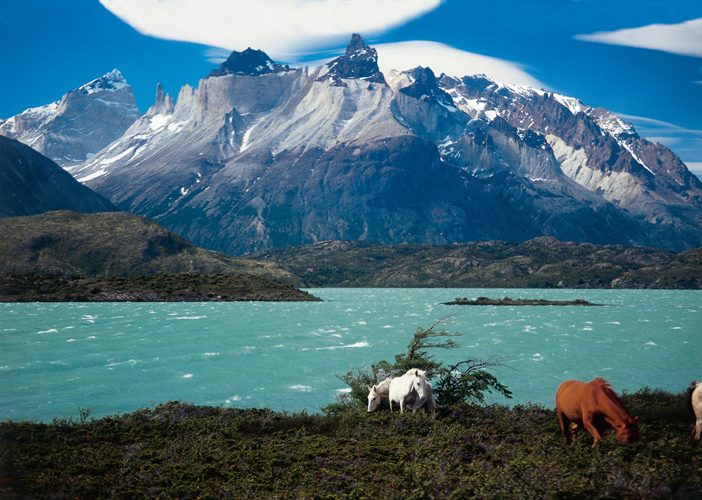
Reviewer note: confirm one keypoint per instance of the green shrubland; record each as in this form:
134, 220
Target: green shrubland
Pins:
179, 450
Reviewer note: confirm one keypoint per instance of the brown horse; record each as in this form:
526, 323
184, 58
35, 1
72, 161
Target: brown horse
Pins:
596, 407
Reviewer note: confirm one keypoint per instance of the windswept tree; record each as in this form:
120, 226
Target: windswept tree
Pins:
465, 381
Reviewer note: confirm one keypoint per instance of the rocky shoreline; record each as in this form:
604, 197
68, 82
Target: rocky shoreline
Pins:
149, 288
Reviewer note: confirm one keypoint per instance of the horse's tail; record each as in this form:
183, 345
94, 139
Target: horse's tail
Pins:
688, 395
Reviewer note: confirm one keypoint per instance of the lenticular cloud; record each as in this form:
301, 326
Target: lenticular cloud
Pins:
443, 58
683, 39
282, 28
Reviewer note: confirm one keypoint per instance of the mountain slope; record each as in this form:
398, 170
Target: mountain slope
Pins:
599, 151
32, 184
83, 122
261, 155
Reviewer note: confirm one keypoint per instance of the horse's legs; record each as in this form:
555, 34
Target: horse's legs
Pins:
697, 433
565, 428
574, 428
589, 424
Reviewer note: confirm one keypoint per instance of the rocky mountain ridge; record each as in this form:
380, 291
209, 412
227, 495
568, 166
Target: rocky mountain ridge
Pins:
596, 149
82, 123
260, 155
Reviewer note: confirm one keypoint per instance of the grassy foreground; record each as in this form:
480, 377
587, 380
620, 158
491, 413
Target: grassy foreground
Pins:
178, 450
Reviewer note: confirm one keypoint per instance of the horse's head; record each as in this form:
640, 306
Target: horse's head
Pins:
628, 431
373, 399
419, 383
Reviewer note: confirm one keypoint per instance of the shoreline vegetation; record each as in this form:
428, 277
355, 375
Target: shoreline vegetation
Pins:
180, 450
507, 301
191, 287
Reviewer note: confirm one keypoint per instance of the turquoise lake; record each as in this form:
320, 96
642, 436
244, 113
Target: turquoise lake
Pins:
118, 357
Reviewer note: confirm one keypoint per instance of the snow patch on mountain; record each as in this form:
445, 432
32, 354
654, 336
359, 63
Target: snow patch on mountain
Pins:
574, 105
111, 82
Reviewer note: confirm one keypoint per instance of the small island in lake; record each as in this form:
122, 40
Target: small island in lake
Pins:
507, 301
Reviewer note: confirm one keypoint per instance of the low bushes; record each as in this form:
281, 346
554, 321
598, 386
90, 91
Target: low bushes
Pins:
179, 450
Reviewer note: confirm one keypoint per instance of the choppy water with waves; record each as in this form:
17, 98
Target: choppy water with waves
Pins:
118, 357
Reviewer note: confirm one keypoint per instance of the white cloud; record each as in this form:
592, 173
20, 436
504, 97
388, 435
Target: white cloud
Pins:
695, 168
443, 58
685, 142
284, 29
683, 39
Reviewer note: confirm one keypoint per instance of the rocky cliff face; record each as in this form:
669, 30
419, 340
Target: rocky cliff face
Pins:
82, 123
32, 184
256, 159
598, 151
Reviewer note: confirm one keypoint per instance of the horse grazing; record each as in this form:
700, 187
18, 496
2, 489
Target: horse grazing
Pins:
377, 393
694, 402
381, 391
596, 407
409, 390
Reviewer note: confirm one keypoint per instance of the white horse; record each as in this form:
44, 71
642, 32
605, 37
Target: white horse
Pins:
694, 402
409, 390
377, 393
381, 391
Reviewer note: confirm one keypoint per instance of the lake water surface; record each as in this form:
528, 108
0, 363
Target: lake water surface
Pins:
118, 357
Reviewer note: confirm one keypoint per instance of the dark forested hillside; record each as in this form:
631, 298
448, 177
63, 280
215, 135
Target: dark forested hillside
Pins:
538, 263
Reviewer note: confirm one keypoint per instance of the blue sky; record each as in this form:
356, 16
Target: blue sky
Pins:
641, 59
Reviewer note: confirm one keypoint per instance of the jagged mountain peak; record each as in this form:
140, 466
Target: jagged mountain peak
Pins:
109, 82
164, 104
359, 61
356, 45
84, 121
250, 62
425, 86
493, 90
309, 155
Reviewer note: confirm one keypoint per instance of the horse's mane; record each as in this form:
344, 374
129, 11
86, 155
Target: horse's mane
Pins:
606, 388
385, 384
418, 372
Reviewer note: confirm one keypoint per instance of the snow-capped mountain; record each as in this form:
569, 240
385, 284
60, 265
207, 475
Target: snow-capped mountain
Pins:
82, 123
598, 150
261, 155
